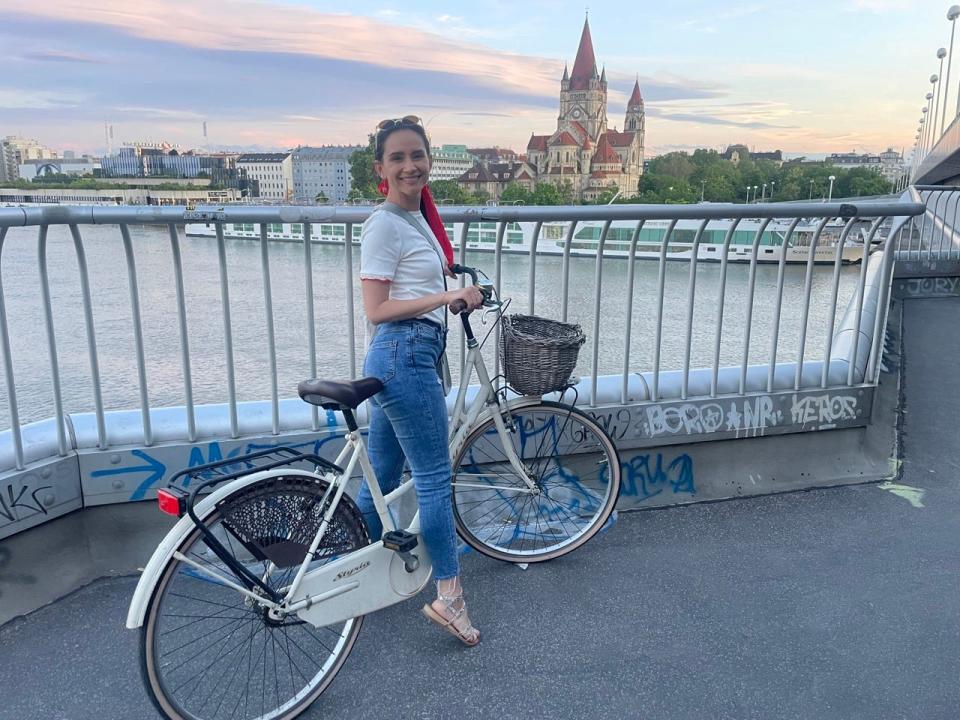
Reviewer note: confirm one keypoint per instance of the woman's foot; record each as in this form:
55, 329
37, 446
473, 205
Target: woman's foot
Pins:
449, 611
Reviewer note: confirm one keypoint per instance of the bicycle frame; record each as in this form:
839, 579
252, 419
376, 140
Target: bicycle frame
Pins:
464, 418
374, 577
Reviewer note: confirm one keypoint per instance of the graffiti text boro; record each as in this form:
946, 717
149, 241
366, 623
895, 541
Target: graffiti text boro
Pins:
746, 414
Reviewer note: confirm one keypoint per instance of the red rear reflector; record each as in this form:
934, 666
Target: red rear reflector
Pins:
172, 502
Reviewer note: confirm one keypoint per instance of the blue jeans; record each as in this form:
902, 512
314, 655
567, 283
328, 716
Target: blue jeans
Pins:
408, 421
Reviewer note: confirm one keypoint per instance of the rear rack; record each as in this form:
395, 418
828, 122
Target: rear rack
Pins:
231, 468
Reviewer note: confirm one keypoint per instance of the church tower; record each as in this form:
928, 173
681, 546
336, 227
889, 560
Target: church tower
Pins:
583, 92
634, 121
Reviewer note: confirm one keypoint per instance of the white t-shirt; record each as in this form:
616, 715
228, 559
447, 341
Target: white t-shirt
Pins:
391, 249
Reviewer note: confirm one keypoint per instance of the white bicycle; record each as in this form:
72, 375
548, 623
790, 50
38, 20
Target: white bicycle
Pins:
252, 602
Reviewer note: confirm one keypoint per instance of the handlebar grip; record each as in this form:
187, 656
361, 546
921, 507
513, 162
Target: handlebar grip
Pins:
461, 269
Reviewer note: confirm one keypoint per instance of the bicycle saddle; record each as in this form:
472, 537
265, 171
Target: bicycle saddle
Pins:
332, 394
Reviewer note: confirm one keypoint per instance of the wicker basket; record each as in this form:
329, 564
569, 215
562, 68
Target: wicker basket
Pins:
538, 354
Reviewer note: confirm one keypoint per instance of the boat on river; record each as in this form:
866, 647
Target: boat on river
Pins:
518, 237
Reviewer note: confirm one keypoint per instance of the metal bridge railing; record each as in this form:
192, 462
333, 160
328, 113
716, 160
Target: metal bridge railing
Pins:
931, 237
852, 360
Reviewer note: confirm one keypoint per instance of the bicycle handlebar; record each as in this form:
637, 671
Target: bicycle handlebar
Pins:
458, 306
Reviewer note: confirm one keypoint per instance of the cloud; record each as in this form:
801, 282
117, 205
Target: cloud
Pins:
27, 99
55, 56
306, 32
708, 119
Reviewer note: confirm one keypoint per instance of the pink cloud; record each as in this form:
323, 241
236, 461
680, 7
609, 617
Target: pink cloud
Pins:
244, 25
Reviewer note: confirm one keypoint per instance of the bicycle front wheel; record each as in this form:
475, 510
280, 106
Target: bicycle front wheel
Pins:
209, 652
574, 471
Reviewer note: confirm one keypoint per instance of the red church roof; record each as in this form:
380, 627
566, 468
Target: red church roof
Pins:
538, 142
605, 153
585, 66
635, 98
564, 138
618, 139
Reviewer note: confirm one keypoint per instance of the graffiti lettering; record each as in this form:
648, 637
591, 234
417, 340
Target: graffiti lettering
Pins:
823, 410
615, 424
12, 499
933, 286
648, 475
748, 414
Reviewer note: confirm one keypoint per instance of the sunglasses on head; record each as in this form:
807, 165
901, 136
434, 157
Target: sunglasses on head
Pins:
398, 122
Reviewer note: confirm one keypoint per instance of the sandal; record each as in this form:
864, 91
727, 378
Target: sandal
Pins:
458, 623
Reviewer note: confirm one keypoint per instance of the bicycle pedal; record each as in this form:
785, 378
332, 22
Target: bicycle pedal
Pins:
399, 541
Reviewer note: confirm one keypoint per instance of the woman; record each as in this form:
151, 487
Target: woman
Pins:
403, 260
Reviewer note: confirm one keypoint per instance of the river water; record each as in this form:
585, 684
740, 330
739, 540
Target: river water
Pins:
115, 338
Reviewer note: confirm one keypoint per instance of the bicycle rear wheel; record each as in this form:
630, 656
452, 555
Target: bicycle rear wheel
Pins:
210, 652
575, 470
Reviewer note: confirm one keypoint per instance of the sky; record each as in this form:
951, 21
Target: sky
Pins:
807, 77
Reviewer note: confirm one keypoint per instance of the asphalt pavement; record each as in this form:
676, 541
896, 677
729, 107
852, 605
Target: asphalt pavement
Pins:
829, 603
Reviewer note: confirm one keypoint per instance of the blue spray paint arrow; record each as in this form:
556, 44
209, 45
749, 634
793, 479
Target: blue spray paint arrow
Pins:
156, 469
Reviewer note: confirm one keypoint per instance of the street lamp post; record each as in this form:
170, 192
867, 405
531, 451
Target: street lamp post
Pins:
933, 124
748, 194
810, 196
952, 15
941, 54
830, 194
703, 187
926, 127
772, 183
763, 193
755, 188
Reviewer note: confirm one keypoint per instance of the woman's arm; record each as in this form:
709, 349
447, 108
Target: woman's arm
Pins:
380, 308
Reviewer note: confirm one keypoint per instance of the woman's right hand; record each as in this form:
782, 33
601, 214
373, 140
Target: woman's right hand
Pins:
467, 298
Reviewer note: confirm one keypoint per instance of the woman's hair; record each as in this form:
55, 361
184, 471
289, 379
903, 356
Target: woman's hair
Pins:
384, 133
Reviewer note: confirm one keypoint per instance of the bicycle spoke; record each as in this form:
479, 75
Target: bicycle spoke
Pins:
214, 652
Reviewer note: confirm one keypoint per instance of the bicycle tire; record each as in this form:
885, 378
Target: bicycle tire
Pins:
576, 490
271, 520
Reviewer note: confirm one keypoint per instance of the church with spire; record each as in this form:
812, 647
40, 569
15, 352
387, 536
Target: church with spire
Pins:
583, 150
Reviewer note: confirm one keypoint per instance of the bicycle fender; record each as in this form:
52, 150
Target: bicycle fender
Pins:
179, 532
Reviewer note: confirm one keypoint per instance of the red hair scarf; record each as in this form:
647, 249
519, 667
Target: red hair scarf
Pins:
429, 209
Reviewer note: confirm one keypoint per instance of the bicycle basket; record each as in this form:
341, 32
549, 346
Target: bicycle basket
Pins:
538, 354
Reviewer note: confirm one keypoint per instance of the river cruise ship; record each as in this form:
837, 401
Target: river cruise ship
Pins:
519, 236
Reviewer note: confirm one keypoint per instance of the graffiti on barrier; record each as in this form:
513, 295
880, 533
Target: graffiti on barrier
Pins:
747, 416
155, 471
649, 474
932, 286
823, 411
15, 499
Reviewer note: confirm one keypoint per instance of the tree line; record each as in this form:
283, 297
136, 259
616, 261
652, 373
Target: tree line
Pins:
675, 177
